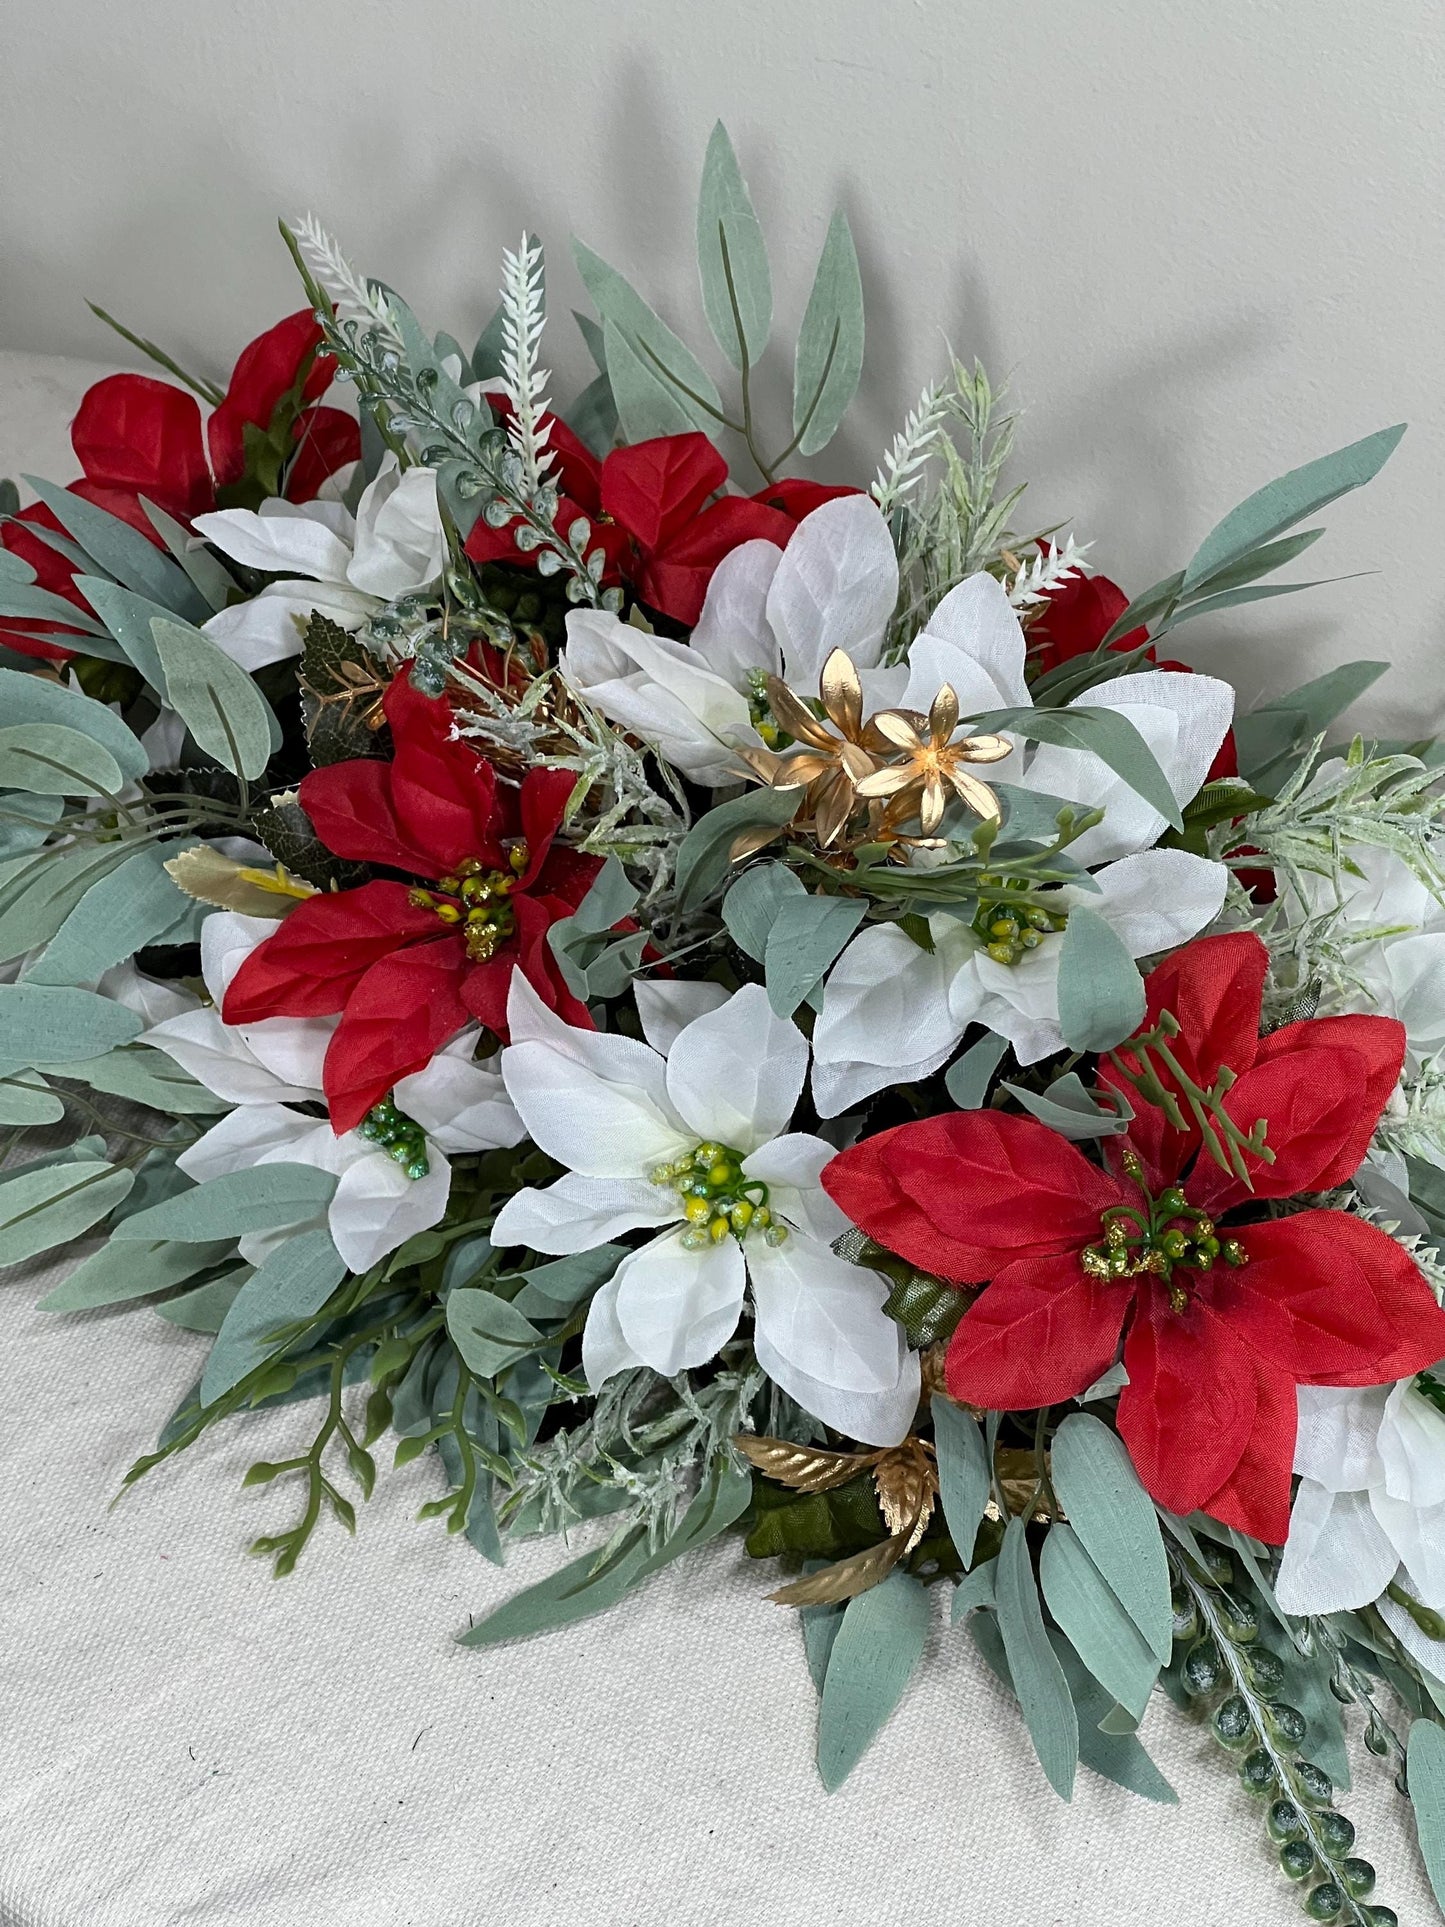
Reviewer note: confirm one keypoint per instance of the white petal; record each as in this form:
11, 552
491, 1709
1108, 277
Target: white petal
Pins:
791, 1167
215, 1055
835, 588
1336, 1555
1412, 1448
1335, 1444
269, 627
1415, 971
666, 1004
1418, 1534
605, 1352
377, 1207
311, 539
578, 1214
677, 1307
736, 1074
1020, 1001
885, 1017
1157, 899
399, 541
1426, 1652
256, 1134
978, 620
824, 1315
148, 997
733, 634
460, 1104
1183, 718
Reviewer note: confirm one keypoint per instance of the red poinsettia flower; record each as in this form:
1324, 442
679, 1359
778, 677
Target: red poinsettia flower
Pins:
1220, 1320
651, 514
135, 436
408, 965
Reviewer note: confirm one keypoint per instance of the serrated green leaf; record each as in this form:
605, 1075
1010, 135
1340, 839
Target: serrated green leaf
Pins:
1100, 1631
123, 551
927, 1310
285, 829
217, 700
1115, 1519
50, 759
44, 1025
829, 358
807, 934
737, 288
261, 1198
293, 1284
35, 699
121, 1271
1038, 1679
963, 1479
659, 385
133, 905
1101, 994
874, 1654
43, 1208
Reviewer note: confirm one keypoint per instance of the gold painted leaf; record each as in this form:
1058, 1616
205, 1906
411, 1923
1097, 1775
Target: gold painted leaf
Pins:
210, 877
907, 1488
846, 1579
805, 1468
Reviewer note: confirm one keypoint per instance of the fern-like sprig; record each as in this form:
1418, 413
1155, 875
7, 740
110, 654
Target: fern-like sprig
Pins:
353, 296
1034, 580
524, 381
902, 467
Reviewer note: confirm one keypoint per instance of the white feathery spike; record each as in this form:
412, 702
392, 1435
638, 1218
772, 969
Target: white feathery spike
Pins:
900, 469
524, 383
1035, 579
354, 297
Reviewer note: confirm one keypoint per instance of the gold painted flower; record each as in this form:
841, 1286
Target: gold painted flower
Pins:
837, 751
934, 764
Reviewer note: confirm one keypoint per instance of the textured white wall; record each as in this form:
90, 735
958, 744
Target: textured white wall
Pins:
1206, 239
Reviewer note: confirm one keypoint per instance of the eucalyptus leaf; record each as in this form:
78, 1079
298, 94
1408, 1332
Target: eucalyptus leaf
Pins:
737, 288
1105, 733
48, 1206
26, 1098
120, 1271
490, 1333
1101, 994
963, 1475
967, 1079
1119, 1757
216, 699
123, 551
50, 759
752, 903
1038, 1679
806, 936
1267, 735
1425, 1767
212, 582
829, 358
128, 617
35, 699
659, 385
132, 906
593, 417
1115, 1520
26, 821
38, 890
262, 1197
1257, 562
24, 602
1215, 605
874, 1654
705, 854
205, 1309
976, 1591
144, 1075
1100, 1631
553, 1288
293, 1284
43, 1025
1071, 1110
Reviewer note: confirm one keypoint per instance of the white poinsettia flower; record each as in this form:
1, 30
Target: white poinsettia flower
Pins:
345, 567
687, 1136
1370, 1508
265, 1069
893, 1011
768, 611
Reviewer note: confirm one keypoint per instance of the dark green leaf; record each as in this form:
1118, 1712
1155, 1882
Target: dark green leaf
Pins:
927, 1310
1105, 733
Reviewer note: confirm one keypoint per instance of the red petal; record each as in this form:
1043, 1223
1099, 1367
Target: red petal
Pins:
350, 807
396, 1020
966, 1194
655, 489
322, 950
443, 792
1255, 1496
544, 796
1320, 1087
1043, 1331
142, 436
326, 440
795, 497
1189, 1406
1332, 1300
675, 579
1075, 619
265, 372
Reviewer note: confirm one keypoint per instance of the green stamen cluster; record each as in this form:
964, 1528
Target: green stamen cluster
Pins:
475, 900
717, 1198
400, 1136
1007, 930
1166, 1234
759, 712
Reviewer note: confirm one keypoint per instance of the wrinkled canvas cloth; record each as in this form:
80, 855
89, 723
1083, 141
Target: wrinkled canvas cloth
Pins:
186, 1742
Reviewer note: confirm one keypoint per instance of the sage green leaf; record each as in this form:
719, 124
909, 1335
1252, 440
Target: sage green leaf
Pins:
26, 1098
264, 1197
486, 357
217, 700
1214, 605
1119, 1757
1115, 1519
1100, 1631
967, 1080
705, 854
490, 1333
205, 1308
829, 356
135, 904
553, 1288
128, 617
592, 336
732, 259
40, 888
50, 759
876, 1649
807, 935
593, 417
1105, 733
1101, 994
646, 360
976, 1591
1425, 1770
820, 1628
1038, 1679
963, 1480
120, 1271
1286, 725
41, 1024
43, 1208
213, 583
23, 602
147, 1076
1280, 504
122, 551
751, 905
1254, 563
26, 821
1071, 1110
35, 699
292, 1285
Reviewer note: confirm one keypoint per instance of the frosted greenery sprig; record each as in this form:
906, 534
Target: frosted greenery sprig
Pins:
525, 382
1036, 580
901, 469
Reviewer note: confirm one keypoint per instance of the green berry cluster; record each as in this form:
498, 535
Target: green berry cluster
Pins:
400, 1136
1009, 930
717, 1199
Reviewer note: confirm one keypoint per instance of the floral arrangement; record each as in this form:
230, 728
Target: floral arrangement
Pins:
784, 1012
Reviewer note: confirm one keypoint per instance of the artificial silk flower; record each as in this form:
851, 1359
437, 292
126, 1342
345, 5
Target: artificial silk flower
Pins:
384, 1193
768, 612
406, 966
1220, 1321
347, 568
687, 1136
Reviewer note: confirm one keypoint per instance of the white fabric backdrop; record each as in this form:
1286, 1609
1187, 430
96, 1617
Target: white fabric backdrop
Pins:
185, 1742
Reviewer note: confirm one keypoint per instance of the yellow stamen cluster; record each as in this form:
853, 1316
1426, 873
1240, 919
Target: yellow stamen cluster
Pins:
1009, 930
475, 900
1167, 1234
717, 1199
